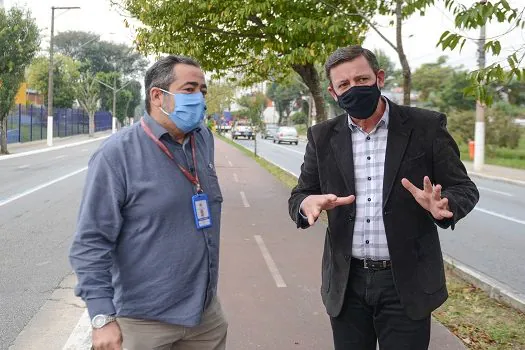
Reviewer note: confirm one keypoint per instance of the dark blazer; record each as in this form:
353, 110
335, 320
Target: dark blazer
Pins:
418, 145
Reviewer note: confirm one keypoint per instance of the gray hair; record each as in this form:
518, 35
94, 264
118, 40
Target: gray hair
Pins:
347, 54
161, 74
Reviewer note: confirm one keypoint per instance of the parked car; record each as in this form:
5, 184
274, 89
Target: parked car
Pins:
270, 131
242, 129
286, 134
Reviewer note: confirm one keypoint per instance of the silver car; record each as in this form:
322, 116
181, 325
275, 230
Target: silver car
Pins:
287, 134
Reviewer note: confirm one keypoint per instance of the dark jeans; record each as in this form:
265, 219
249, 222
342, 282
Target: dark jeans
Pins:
372, 312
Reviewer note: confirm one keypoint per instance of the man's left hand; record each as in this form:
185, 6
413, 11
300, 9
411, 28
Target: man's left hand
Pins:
429, 198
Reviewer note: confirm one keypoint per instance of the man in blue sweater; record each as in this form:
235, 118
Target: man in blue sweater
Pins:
146, 250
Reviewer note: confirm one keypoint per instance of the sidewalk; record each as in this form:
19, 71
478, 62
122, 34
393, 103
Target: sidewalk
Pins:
17, 149
498, 173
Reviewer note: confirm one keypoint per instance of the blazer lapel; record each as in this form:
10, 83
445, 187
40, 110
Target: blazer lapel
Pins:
341, 143
398, 136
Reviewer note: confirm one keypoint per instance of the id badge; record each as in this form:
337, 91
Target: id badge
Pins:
201, 211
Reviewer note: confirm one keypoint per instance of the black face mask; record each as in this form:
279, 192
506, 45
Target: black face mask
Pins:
360, 102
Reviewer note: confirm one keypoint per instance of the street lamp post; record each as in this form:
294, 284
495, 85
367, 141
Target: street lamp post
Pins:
50, 82
115, 90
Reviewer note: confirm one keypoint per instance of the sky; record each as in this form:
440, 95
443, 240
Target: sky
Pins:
420, 34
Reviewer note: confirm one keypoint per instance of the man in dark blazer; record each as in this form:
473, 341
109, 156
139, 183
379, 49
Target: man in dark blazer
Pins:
386, 175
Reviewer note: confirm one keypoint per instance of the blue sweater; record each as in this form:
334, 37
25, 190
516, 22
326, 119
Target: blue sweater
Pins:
137, 252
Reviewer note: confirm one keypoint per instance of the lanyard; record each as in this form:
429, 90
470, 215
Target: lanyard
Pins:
193, 179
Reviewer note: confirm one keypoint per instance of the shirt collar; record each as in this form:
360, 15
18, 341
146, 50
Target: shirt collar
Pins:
157, 130
384, 119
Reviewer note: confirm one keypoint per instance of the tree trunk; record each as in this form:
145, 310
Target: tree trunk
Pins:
407, 75
3, 136
311, 78
91, 124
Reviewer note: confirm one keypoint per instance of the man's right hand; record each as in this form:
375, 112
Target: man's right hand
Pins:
108, 337
313, 205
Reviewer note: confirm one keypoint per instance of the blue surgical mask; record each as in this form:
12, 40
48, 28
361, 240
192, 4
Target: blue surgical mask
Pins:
189, 111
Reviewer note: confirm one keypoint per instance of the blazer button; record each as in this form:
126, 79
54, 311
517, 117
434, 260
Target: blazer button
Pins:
351, 218
347, 258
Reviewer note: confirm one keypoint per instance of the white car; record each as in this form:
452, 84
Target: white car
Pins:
286, 134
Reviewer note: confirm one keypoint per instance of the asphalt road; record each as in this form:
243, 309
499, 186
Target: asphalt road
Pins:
491, 239
37, 220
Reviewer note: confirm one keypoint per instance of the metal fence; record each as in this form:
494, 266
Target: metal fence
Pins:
29, 123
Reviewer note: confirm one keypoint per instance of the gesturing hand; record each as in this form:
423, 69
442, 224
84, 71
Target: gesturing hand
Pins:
313, 205
429, 198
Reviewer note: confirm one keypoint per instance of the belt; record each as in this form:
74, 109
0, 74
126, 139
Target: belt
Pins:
371, 264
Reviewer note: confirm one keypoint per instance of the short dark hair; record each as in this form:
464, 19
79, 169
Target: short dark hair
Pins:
161, 74
347, 54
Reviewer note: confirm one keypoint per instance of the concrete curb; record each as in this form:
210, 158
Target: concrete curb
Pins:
496, 178
495, 289
53, 148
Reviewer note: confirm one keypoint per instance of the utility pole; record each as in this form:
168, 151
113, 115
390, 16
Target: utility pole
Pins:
115, 90
479, 133
51, 71
114, 119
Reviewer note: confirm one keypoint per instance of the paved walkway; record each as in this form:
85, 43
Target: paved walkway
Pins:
496, 172
15, 148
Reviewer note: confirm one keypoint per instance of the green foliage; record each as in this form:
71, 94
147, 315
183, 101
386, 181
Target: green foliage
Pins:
87, 92
474, 17
431, 77
256, 39
253, 106
451, 93
283, 93
385, 63
299, 118
19, 43
501, 131
99, 55
65, 77
461, 125
134, 89
128, 94
219, 97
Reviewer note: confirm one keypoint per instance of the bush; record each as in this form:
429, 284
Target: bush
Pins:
500, 129
461, 125
299, 118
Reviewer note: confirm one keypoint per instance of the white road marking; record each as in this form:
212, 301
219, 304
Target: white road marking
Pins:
24, 166
244, 200
235, 177
80, 338
230, 163
494, 191
286, 148
501, 216
60, 157
84, 149
270, 263
37, 188
43, 263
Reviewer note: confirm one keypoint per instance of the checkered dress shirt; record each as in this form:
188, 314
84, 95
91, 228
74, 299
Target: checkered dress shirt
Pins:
369, 150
